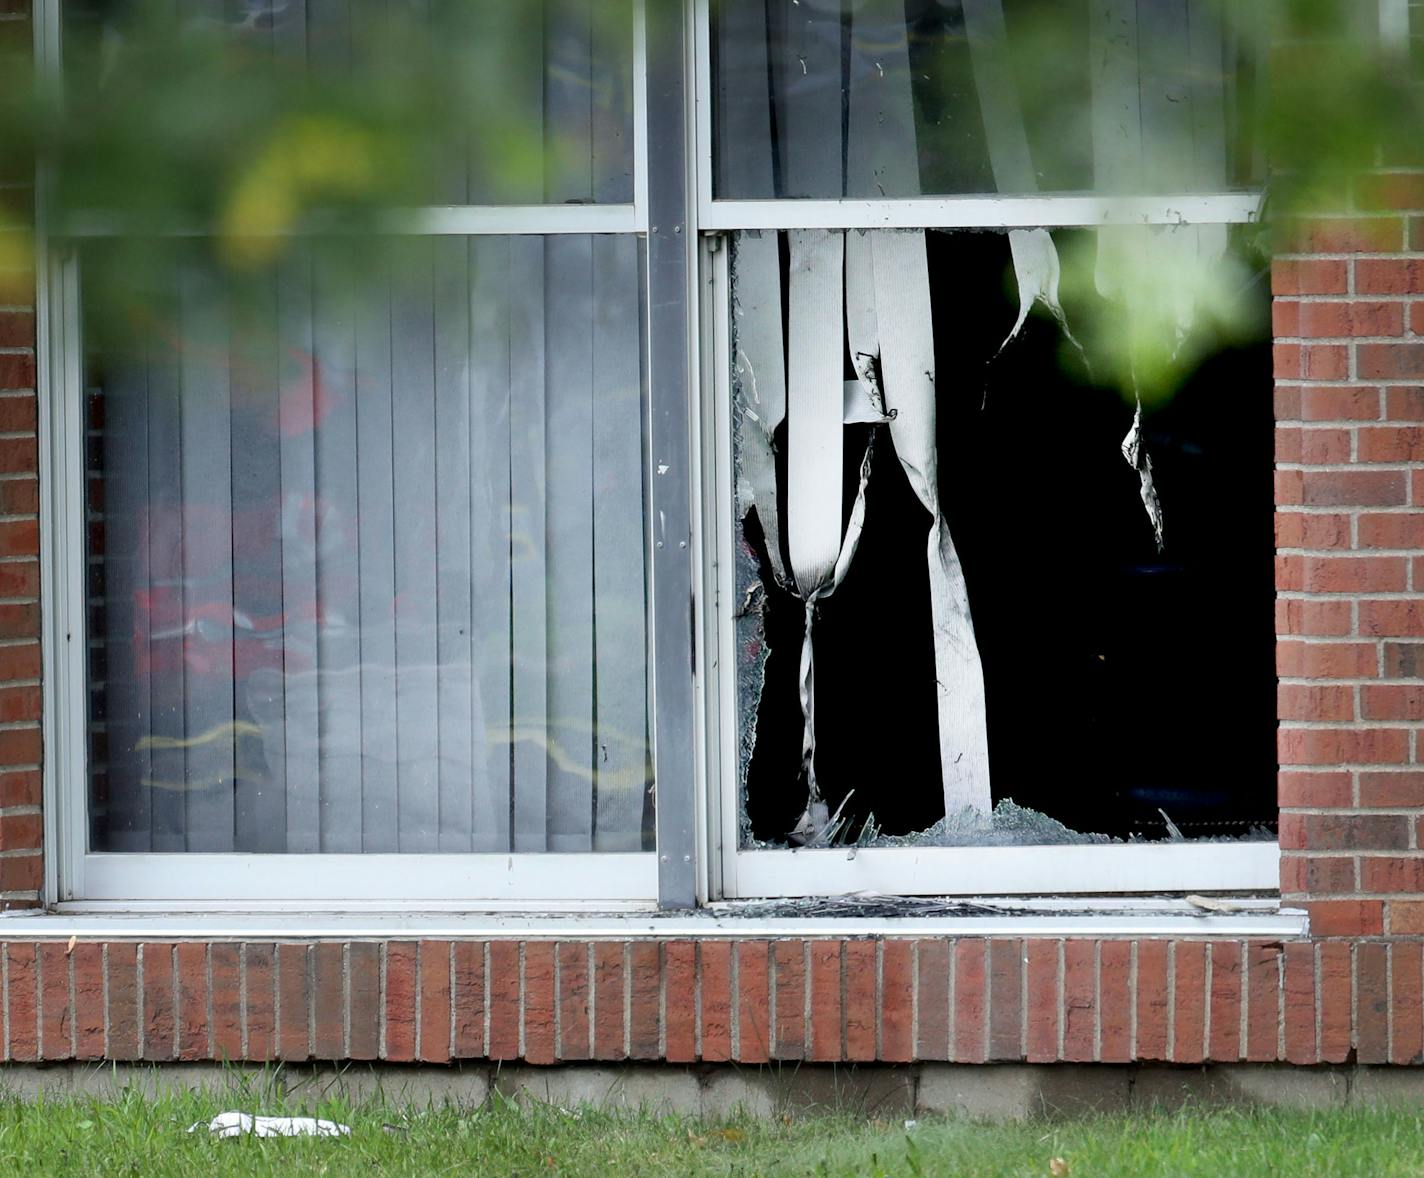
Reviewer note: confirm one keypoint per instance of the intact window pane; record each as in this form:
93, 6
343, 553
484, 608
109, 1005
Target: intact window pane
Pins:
899, 98
366, 559
451, 102
1118, 691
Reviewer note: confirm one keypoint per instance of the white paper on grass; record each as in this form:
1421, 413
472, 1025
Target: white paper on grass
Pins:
235, 1124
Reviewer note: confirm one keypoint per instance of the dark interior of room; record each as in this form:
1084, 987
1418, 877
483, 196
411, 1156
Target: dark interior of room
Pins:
1121, 682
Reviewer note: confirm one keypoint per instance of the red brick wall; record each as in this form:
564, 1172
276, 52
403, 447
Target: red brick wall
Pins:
20, 818
968, 1000
1349, 326
1349, 320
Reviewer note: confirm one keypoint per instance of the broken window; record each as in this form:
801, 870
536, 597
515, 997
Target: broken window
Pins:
982, 596
1128, 692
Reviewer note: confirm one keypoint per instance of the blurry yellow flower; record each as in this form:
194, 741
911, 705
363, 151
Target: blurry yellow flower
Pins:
17, 265
306, 160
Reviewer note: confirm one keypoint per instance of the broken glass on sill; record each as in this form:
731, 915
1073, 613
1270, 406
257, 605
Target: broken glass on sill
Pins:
1129, 692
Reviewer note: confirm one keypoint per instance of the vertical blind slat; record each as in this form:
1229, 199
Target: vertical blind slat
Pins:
162, 603
528, 574
807, 90
461, 774
126, 709
303, 399
376, 528
569, 463
203, 500
492, 536
620, 604
259, 803
338, 569
413, 449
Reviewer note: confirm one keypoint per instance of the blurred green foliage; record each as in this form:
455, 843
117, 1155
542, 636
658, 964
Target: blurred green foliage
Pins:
243, 121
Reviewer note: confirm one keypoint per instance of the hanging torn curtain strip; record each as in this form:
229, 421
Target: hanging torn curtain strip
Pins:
876, 286
873, 285
1035, 258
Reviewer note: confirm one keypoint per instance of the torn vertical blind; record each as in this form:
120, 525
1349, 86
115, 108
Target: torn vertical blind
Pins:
888, 310
889, 317
832, 283
872, 287
817, 404
1035, 258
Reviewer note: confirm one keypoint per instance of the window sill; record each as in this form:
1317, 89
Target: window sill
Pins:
1255, 917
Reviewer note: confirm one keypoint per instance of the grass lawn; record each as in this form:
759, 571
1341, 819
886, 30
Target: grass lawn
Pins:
133, 1134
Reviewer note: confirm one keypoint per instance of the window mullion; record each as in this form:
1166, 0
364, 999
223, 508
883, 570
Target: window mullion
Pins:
670, 350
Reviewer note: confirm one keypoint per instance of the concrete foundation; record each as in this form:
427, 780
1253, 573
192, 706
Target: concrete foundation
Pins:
996, 1092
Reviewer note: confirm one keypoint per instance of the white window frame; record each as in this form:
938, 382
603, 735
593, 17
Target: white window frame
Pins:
1036, 870
698, 807
77, 877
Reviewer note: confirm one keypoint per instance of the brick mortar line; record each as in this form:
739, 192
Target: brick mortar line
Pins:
1346, 299
985, 1022
104, 989
1280, 967
346, 988
734, 1014
1349, 341
808, 1040
1318, 967
1243, 990
276, 976
1208, 983
1399, 255
951, 1015
5, 1051
1391, 466
559, 1052
697, 1028
1131, 999
1309, 383
450, 972
1355, 553
488, 994
1388, 1002
627, 982
141, 1039
1097, 1000
71, 983
1023, 998
1343, 680
1172, 1001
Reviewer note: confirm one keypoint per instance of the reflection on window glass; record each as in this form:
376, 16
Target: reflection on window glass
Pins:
899, 98
366, 563
1128, 691
455, 102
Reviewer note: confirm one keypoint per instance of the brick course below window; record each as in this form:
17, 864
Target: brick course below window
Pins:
891, 1000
